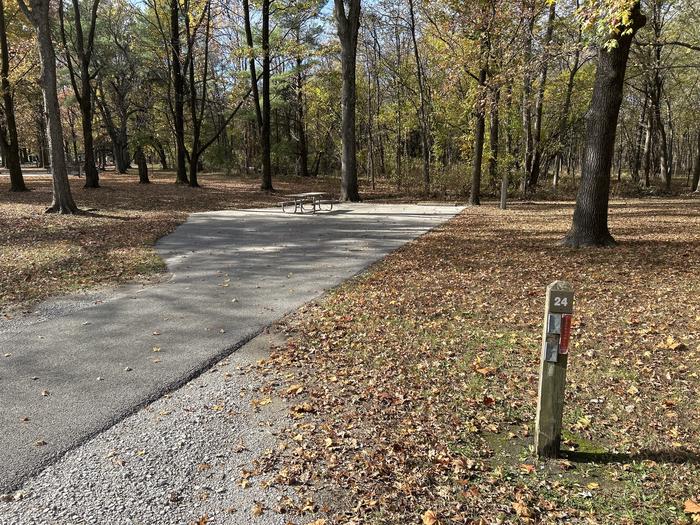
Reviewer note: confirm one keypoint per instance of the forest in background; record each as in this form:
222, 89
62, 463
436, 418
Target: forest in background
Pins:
426, 72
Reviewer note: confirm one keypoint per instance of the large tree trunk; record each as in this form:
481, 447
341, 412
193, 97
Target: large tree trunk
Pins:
348, 26
140, 158
475, 193
422, 110
8, 136
81, 82
527, 98
399, 103
266, 182
39, 16
179, 88
120, 149
92, 178
590, 221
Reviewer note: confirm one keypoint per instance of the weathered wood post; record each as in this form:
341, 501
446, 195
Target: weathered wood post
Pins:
558, 308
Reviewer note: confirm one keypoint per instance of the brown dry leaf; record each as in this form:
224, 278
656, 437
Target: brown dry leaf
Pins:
691, 507
295, 390
258, 509
522, 510
430, 518
526, 468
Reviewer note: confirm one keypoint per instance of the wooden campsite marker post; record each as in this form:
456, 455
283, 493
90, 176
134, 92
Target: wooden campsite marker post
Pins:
558, 308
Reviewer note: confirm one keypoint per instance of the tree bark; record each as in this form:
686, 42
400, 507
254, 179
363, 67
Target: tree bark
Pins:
8, 136
179, 88
38, 13
696, 172
590, 220
527, 97
647, 149
534, 173
480, 128
162, 157
509, 148
266, 182
140, 158
493, 138
83, 94
422, 110
348, 26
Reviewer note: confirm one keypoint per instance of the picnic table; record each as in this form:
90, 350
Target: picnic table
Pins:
311, 201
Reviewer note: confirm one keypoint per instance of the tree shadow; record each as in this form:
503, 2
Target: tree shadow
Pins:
675, 456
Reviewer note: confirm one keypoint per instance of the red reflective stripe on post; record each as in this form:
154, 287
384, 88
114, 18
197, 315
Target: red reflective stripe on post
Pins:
565, 334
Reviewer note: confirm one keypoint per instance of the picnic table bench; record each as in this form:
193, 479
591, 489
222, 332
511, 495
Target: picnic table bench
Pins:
312, 202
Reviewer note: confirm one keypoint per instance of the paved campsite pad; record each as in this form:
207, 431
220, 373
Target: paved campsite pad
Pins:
233, 273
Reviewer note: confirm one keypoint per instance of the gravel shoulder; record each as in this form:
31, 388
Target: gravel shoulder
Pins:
203, 454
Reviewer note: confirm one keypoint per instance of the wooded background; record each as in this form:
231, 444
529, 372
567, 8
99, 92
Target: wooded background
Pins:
450, 96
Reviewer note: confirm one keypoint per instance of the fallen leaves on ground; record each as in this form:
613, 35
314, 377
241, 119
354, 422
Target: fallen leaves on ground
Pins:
420, 376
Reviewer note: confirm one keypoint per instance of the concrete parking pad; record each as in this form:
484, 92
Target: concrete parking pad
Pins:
75, 373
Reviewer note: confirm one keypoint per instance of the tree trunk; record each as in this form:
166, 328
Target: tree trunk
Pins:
696, 173
475, 193
663, 149
140, 158
527, 98
348, 26
509, 148
266, 182
302, 166
92, 178
564, 122
81, 82
39, 16
179, 88
399, 115
590, 221
423, 114
160, 150
534, 173
120, 149
493, 138
637, 161
8, 137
